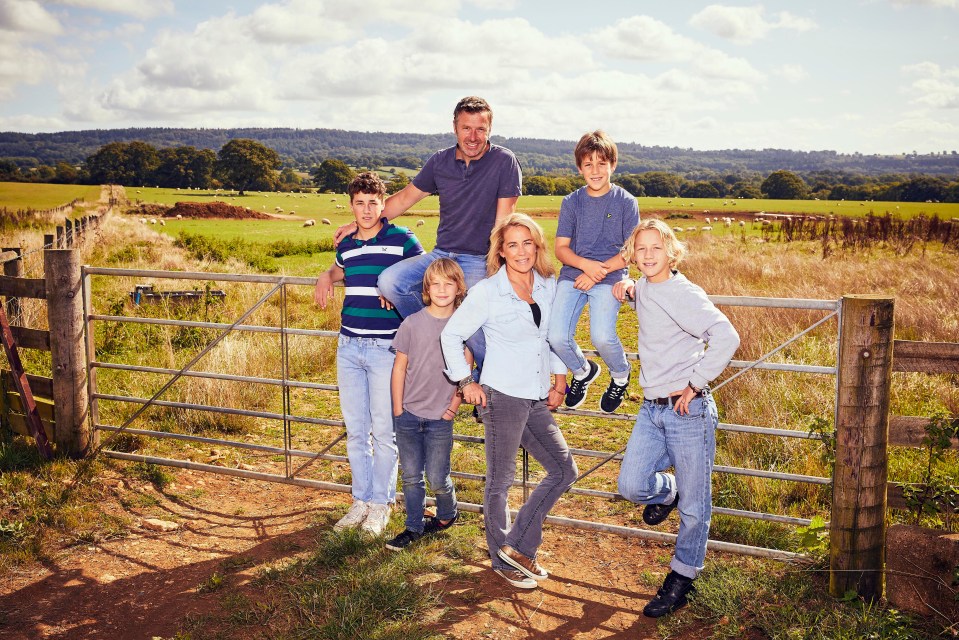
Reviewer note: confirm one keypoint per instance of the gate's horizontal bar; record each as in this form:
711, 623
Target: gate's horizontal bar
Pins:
227, 410
198, 275
777, 303
715, 545
254, 328
742, 364
215, 376
773, 475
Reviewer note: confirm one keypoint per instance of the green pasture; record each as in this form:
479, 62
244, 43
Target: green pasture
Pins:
27, 195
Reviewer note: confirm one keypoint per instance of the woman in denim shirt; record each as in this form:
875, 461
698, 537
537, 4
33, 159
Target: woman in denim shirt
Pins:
514, 394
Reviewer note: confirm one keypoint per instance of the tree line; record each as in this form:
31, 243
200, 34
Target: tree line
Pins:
244, 164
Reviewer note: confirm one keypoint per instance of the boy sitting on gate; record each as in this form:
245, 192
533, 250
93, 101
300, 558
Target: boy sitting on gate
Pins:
364, 361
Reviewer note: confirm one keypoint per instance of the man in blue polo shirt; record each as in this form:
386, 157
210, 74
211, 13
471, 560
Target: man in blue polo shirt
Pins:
364, 362
478, 184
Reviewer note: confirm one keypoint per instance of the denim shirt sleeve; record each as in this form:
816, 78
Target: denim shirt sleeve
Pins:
465, 321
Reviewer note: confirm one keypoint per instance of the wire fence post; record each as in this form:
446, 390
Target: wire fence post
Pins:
61, 269
858, 527
14, 268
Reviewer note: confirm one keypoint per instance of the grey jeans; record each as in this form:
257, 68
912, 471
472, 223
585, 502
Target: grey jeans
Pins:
510, 422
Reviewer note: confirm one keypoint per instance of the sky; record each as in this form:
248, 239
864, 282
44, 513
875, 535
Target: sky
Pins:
869, 76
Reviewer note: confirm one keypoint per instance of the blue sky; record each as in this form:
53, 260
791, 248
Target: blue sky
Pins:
874, 76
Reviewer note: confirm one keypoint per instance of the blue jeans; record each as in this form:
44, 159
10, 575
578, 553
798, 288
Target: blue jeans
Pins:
662, 438
603, 312
508, 423
402, 284
425, 447
363, 369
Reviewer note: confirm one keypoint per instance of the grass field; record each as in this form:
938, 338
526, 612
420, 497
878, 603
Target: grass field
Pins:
21, 195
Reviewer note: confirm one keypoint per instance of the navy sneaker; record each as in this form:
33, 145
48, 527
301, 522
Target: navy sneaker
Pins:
613, 396
434, 525
576, 394
403, 540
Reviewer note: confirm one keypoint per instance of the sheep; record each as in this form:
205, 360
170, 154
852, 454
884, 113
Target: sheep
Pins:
143, 220
420, 223
325, 221
292, 212
706, 228
742, 224
332, 199
309, 223
278, 209
708, 221
179, 216
162, 223
692, 229
339, 206
153, 220
678, 229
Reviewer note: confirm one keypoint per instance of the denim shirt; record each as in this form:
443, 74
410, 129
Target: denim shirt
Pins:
518, 358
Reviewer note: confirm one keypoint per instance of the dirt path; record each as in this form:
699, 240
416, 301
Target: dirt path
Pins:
145, 585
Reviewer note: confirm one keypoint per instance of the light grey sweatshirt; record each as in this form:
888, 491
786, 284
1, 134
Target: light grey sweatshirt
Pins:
676, 323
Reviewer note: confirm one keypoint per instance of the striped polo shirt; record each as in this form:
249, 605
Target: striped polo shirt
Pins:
362, 262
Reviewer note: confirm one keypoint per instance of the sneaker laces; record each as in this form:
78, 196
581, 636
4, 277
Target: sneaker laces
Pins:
616, 391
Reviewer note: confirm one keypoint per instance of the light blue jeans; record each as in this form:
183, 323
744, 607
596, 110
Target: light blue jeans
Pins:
363, 369
509, 422
603, 311
425, 446
662, 438
402, 284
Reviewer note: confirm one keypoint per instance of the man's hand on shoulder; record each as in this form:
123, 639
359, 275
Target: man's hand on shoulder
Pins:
343, 231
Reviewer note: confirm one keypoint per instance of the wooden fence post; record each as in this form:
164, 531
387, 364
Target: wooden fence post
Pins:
74, 436
14, 268
48, 241
68, 234
61, 235
858, 527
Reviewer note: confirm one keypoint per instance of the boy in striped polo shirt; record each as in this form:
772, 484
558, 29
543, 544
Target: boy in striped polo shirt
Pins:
364, 362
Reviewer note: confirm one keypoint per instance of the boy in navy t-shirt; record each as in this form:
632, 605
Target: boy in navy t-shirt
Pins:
364, 361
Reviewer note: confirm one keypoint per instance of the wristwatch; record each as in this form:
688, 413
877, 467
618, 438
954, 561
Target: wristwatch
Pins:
465, 382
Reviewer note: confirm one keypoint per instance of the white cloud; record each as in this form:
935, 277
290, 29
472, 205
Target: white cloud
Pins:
494, 5
138, 8
746, 24
952, 4
934, 87
297, 22
28, 17
20, 64
791, 73
644, 38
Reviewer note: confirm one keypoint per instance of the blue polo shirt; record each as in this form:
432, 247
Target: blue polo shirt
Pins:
362, 262
468, 195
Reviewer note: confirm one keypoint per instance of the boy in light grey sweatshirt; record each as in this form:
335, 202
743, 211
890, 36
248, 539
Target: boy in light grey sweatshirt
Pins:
684, 343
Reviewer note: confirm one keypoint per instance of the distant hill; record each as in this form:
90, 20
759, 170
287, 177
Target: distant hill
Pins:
306, 147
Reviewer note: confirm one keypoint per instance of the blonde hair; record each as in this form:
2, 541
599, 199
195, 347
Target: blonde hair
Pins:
675, 249
494, 260
595, 142
446, 269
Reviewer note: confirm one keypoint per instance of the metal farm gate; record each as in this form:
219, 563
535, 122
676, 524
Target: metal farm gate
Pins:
297, 460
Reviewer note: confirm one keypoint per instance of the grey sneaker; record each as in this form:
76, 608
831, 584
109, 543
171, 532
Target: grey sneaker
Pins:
516, 578
354, 517
377, 519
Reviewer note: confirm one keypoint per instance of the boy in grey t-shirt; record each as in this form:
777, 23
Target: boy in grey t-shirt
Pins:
594, 222
425, 403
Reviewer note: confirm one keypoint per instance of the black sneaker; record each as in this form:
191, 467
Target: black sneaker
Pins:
653, 514
576, 395
403, 540
671, 596
433, 524
613, 396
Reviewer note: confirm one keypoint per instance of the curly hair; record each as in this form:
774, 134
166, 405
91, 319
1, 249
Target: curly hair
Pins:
367, 182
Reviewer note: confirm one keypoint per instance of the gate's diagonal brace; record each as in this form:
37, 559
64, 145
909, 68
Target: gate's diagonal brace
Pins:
733, 377
20, 381
188, 366
318, 454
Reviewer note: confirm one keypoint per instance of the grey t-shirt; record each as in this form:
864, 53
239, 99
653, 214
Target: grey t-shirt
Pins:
597, 227
427, 392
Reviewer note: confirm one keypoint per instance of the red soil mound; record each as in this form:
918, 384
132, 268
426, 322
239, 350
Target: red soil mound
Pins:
213, 210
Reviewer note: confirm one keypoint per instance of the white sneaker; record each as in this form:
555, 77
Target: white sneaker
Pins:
353, 517
377, 519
